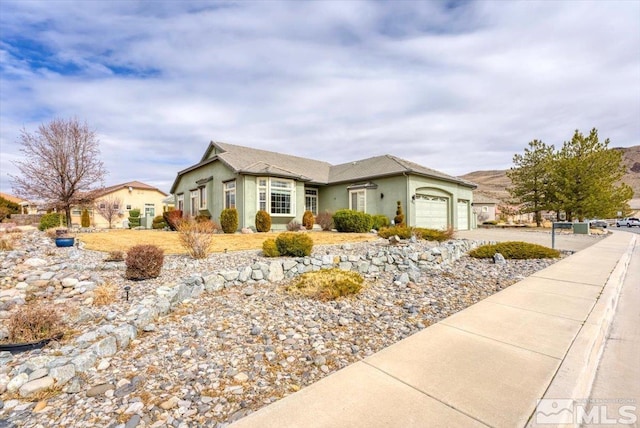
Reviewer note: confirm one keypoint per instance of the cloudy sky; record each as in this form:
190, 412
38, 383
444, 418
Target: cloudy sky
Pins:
457, 86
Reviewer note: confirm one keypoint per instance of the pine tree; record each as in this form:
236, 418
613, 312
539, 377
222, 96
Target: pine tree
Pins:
531, 179
586, 173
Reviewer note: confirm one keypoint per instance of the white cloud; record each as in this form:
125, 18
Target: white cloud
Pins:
454, 88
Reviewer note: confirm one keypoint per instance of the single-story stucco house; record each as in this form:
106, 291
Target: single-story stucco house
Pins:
285, 186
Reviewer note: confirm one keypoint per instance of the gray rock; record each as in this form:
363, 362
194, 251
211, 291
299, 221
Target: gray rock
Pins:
124, 335
84, 362
276, 273
105, 347
249, 291
63, 374
16, 383
35, 386
100, 389
133, 421
37, 374
499, 259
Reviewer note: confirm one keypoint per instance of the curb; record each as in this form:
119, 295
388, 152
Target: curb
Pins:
575, 377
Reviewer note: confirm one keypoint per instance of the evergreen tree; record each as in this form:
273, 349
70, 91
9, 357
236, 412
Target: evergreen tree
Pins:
531, 179
586, 175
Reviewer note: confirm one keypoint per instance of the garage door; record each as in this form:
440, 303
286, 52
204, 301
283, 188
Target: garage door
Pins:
432, 211
463, 215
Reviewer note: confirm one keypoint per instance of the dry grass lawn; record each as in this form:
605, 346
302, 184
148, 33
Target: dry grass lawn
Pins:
122, 240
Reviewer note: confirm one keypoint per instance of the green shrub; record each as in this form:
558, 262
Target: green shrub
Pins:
263, 221
7, 208
229, 220
352, 221
433, 234
308, 220
158, 222
380, 221
327, 284
85, 220
144, 262
134, 218
399, 218
490, 222
172, 218
294, 244
269, 248
403, 232
515, 250
325, 220
51, 220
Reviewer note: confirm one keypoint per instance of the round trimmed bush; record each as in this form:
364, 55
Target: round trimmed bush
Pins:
515, 250
308, 220
263, 221
269, 248
327, 284
47, 221
380, 221
229, 220
294, 244
352, 221
144, 262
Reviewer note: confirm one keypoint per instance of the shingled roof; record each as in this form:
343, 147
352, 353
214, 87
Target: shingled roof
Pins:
133, 184
247, 160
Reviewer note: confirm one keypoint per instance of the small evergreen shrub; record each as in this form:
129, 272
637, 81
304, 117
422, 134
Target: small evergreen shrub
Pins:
51, 220
403, 232
398, 220
197, 237
327, 284
229, 220
515, 250
263, 221
294, 244
433, 234
308, 220
352, 221
172, 218
380, 221
85, 219
269, 248
33, 323
144, 262
325, 220
490, 222
134, 218
158, 222
294, 226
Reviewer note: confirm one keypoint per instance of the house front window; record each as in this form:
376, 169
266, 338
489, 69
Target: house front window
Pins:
149, 210
357, 200
180, 202
276, 196
194, 202
128, 207
202, 193
229, 189
311, 200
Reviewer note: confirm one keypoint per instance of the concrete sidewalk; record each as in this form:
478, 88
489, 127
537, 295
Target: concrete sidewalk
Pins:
484, 366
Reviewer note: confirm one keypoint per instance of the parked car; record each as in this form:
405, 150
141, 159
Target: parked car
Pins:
628, 221
598, 223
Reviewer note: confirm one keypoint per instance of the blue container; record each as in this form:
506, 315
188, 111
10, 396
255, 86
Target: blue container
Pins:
64, 242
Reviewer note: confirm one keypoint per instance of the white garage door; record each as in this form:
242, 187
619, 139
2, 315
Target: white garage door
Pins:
432, 211
463, 215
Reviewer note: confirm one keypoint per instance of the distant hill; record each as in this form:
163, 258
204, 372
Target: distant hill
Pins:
494, 183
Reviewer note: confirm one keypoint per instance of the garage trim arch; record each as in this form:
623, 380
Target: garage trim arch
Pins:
432, 208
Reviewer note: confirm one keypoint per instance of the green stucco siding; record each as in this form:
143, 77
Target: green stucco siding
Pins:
453, 191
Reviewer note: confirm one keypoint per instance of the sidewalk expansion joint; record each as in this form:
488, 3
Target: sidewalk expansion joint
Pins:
581, 321
425, 393
503, 342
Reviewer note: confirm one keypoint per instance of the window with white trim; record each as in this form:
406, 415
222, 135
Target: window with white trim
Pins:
311, 200
357, 200
180, 202
277, 196
229, 189
149, 210
194, 202
202, 195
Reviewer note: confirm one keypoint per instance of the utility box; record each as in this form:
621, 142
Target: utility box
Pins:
581, 228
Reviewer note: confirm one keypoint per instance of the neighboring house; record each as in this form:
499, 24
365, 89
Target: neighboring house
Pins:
635, 207
285, 186
131, 195
26, 206
484, 206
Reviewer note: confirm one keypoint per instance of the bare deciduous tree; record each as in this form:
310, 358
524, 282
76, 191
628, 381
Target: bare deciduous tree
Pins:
110, 208
62, 166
